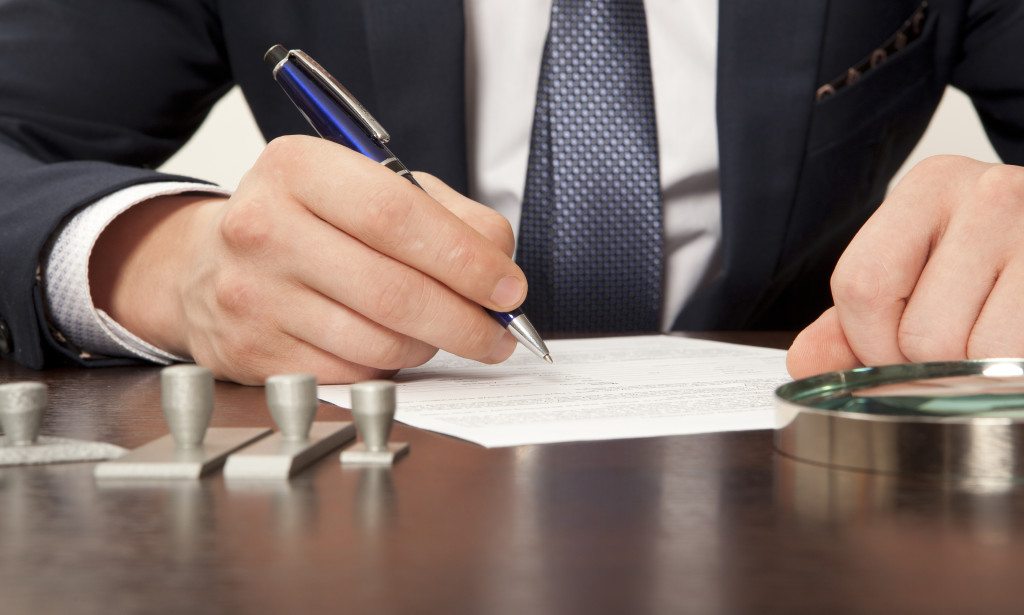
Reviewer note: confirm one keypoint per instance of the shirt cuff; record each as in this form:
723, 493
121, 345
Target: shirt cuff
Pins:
92, 331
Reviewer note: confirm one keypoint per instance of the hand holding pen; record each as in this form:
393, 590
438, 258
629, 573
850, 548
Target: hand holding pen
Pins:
325, 261
322, 261
337, 116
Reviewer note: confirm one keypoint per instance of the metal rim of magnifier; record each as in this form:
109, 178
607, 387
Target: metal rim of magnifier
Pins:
956, 447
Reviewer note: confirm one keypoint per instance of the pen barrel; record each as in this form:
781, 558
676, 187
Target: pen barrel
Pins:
328, 117
504, 318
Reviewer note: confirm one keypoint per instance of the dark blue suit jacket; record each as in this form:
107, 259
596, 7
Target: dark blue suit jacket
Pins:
94, 95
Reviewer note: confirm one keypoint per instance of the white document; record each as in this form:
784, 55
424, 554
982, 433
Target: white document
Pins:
597, 389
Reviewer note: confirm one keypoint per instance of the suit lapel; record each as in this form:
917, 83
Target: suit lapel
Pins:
768, 53
416, 55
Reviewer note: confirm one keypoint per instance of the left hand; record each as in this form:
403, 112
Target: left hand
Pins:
936, 274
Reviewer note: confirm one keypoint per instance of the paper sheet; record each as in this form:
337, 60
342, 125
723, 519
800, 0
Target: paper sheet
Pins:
598, 389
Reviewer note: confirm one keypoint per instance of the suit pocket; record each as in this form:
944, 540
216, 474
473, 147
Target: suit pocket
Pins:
878, 87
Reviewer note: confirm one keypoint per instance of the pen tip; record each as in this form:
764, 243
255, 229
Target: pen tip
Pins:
548, 358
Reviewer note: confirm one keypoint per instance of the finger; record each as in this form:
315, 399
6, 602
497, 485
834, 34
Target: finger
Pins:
392, 294
948, 298
485, 220
327, 368
383, 290
821, 347
250, 359
877, 274
999, 330
344, 333
394, 217
881, 268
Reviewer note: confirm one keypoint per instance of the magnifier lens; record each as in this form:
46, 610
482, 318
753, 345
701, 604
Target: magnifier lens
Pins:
957, 418
992, 390
953, 396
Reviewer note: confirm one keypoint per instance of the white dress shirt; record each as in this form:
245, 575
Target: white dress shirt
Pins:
504, 46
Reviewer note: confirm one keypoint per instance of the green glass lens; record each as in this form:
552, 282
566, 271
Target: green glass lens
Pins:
964, 388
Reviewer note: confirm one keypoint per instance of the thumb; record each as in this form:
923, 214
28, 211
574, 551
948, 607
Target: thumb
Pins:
821, 347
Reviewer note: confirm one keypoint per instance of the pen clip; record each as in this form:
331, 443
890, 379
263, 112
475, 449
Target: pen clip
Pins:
342, 95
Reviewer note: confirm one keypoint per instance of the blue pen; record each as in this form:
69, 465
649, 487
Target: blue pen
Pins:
337, 116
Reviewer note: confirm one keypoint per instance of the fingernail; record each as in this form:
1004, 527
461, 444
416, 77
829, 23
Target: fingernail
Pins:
507, 292
504, 350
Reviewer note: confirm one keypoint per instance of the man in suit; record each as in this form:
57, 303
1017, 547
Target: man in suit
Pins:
326, 262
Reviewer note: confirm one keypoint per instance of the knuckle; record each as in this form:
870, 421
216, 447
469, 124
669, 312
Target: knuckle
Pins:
388, 352
500, 232
940, 163
401, 299
283, 149
932, 170
459, 256
1002, 185
234, 295
415, 359
280, 157
856, 285
246, 226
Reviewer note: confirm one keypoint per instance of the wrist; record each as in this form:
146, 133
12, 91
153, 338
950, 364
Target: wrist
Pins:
138, 266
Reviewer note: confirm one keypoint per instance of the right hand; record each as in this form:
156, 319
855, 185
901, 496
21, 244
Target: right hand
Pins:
322, 261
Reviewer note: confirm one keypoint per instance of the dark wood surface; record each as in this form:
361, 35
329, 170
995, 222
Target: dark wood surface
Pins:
691, 524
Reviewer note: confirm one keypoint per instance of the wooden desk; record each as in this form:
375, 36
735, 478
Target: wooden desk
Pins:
697, 524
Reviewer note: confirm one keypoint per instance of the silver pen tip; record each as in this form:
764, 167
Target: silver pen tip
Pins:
548, 358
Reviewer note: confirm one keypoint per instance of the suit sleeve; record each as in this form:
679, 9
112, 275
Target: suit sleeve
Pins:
991, 70
93, 96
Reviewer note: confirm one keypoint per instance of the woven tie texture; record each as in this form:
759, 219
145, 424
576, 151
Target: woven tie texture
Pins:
591, 233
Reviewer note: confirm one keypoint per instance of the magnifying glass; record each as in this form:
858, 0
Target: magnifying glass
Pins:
958, 419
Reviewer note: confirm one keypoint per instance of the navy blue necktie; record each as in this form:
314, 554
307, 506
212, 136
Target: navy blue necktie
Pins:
590, 238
